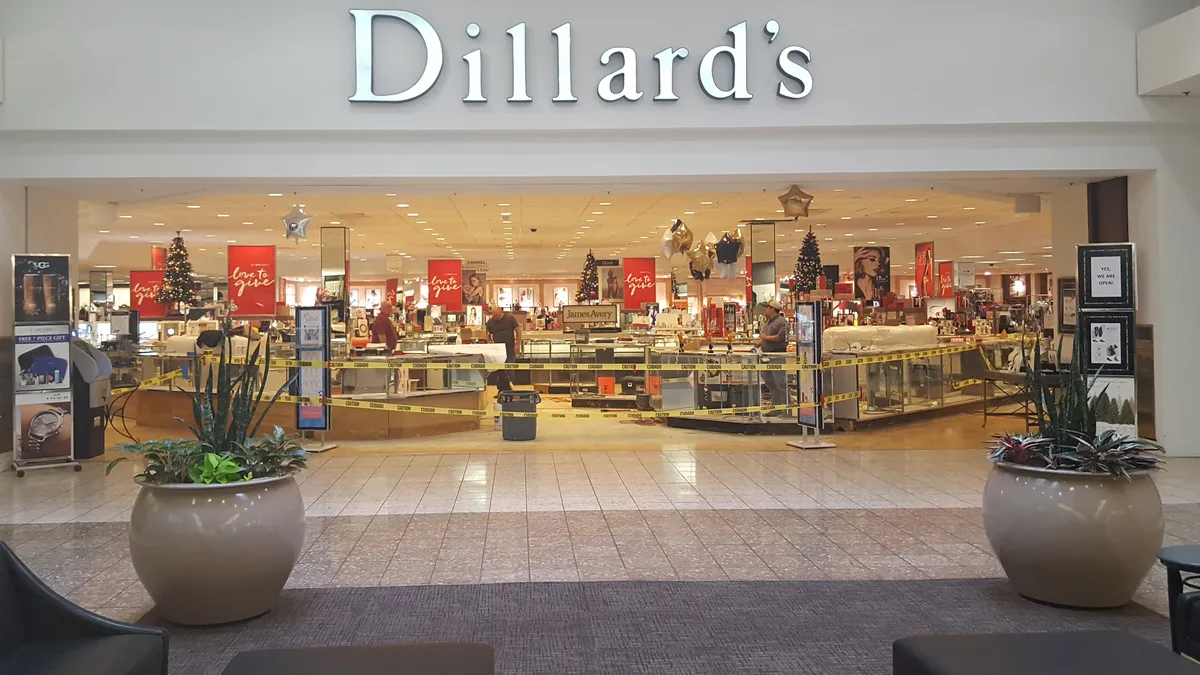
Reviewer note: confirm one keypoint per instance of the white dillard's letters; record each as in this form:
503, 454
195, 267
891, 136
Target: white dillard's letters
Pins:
620, 84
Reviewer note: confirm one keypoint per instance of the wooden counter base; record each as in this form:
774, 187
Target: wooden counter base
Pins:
158, 409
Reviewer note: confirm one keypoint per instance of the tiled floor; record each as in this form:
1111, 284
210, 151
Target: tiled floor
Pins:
545, 516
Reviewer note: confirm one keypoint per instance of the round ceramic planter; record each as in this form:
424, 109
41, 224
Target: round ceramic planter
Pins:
1073, 539
210, 554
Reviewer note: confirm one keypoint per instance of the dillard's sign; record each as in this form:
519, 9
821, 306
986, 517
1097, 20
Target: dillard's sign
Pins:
796, 83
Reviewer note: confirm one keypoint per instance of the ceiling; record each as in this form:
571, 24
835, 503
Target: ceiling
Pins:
548, 235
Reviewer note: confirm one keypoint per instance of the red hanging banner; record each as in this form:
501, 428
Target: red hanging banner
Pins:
389, 294
926, 287
143, 289
445, 284
945, 270
158, 258
639, 282
252, 280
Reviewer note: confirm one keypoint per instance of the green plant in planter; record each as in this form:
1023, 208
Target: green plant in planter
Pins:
226, 418
1066, 416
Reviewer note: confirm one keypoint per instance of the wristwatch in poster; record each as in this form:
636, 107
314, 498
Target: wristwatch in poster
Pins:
44, 426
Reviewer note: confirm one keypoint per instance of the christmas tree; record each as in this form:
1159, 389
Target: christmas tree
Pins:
808, 265
589, 281
178, 285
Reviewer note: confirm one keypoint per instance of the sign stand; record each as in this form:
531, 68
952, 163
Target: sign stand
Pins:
42, 314
809, 383
312, 344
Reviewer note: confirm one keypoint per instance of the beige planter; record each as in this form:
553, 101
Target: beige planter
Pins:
211, 554
1073, 539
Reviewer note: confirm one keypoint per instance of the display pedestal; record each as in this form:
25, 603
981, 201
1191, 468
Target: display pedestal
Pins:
318, 444
815, 443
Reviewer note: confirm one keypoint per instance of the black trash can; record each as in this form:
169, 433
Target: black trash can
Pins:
519, 428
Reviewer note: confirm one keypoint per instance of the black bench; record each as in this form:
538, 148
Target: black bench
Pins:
1078, 653
433, 658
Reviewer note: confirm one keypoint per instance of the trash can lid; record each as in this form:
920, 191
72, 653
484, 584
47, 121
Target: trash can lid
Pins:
520, 396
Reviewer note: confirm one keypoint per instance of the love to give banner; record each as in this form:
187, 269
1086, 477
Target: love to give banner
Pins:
639, 282
445, 284
143, 293
252, 280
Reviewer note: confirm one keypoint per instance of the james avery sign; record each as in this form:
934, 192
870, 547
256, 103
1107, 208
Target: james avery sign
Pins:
796, 81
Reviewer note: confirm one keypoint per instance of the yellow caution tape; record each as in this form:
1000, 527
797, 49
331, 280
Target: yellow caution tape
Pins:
553, 414
151, 381
966, 383
623, 367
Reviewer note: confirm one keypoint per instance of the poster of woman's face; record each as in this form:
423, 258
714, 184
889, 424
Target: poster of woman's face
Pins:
474, 287
872, 272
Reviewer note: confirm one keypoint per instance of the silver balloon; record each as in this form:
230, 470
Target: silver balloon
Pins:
667, 244
295, 224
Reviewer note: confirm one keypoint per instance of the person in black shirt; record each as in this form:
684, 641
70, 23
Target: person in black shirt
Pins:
503, 328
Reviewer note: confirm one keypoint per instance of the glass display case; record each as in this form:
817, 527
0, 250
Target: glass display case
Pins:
536, 350
614, 388
404, 376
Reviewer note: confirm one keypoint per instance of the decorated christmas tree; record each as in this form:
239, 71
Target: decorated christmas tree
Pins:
589, 281
808, 266
178, 286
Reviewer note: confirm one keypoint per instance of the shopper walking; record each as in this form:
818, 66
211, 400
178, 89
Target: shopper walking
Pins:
503, 328
774, 336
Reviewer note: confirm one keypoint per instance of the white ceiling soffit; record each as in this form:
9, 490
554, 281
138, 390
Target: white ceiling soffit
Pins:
1169, 57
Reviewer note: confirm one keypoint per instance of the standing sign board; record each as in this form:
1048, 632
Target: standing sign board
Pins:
1106, 300
42, 312
808, 351
312, 344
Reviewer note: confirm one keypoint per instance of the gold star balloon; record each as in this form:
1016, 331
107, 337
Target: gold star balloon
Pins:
682, 237
795, 202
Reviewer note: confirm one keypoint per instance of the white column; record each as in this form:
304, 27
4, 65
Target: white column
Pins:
1068, 228
1164, 222
12, 240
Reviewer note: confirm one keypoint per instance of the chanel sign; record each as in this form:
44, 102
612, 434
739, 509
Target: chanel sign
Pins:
621, 83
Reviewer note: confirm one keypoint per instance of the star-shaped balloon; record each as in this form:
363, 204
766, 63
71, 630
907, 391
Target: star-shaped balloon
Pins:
795, 202
295, 224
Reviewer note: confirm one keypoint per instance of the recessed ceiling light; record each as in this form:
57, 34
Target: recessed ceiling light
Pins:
849, 234
779, 211
1047, 248
847, 217
1013, 259
705, 203
828, 238
505, 215
428, 229
645, 237
910, 200
222, 215
133, 236
103, 231
127, 217
872, 229
247, 222
413, 215
269, 230
201, 249
972, 256
231, 241
390, 194
586, 227
947, 228
1011, 252
870, 242
193, 206
190, 231
421, 222
981, 222
275, 194
931, 217
597, 213
1047, 255
968, 208
335, 222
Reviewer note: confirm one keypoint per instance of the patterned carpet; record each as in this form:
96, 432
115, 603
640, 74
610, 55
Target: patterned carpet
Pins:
660, 628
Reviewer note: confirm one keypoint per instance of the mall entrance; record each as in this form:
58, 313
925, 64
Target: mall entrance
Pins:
910, 306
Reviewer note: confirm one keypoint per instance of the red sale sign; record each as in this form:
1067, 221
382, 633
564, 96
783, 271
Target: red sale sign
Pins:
143, 291
252, 280
445, 284
945, 279
639, 282
389, 294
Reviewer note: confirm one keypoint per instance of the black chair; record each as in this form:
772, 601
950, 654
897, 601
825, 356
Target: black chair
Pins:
1185, 629
42, 633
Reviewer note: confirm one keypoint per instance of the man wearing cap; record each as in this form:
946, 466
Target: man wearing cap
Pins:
774, 336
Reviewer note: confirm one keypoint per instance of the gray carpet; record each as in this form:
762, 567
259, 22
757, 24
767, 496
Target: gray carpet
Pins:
664, 628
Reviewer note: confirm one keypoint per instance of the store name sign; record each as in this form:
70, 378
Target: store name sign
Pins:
574, 314
796, 80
